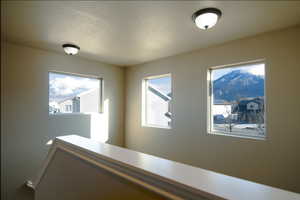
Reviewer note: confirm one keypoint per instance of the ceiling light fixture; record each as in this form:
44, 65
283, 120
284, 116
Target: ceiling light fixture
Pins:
206, 18
71, 49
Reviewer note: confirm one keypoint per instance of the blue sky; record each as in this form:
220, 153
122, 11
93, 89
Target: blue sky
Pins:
163, 84
257, 69
63, 86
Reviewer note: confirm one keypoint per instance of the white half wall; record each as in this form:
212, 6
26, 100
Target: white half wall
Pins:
274, 161
62, 182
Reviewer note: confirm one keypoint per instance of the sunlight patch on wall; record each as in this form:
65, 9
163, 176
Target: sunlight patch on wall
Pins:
49, 142
99, 124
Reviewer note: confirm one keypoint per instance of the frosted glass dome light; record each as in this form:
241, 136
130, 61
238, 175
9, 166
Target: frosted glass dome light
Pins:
206, 18
71, 49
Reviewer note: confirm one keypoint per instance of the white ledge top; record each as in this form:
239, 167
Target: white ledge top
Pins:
207, 182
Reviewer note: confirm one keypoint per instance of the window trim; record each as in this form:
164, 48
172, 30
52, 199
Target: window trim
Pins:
144, 101
210, 99
101, 91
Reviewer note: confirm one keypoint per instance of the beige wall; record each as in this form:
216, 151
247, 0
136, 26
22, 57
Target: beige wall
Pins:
275, 161
26, 126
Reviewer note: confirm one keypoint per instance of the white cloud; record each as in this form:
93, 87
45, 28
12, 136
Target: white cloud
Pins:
258, 69
63, 87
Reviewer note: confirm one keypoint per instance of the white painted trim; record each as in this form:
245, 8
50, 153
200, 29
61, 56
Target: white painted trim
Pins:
149, 181
45, 165
209, 99
101, 91
167, 178
144, 100
121, 174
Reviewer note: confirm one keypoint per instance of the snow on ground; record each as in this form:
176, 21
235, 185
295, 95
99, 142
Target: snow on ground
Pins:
241, 130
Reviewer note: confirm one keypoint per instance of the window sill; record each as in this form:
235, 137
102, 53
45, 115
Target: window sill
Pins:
236, 135
69, 114
156, 126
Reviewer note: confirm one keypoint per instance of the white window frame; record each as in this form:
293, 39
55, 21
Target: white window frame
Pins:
210, 130
144, 101
101, 90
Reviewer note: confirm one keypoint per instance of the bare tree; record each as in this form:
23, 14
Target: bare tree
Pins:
229, 122
261, 119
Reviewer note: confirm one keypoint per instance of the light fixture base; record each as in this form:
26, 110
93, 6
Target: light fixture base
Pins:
206, 18
71, 49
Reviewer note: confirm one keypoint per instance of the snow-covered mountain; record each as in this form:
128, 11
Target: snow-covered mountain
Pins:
238, 84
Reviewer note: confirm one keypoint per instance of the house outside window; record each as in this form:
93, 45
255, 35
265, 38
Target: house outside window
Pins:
237, 100
68, 108
69, 93
157, 96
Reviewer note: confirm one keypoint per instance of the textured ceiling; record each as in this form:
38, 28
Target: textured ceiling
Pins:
128, 33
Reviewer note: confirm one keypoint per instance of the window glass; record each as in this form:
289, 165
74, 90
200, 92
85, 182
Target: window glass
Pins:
158, 97
237, 96
73, 94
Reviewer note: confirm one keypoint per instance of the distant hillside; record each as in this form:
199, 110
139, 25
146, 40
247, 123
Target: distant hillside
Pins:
238, 84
